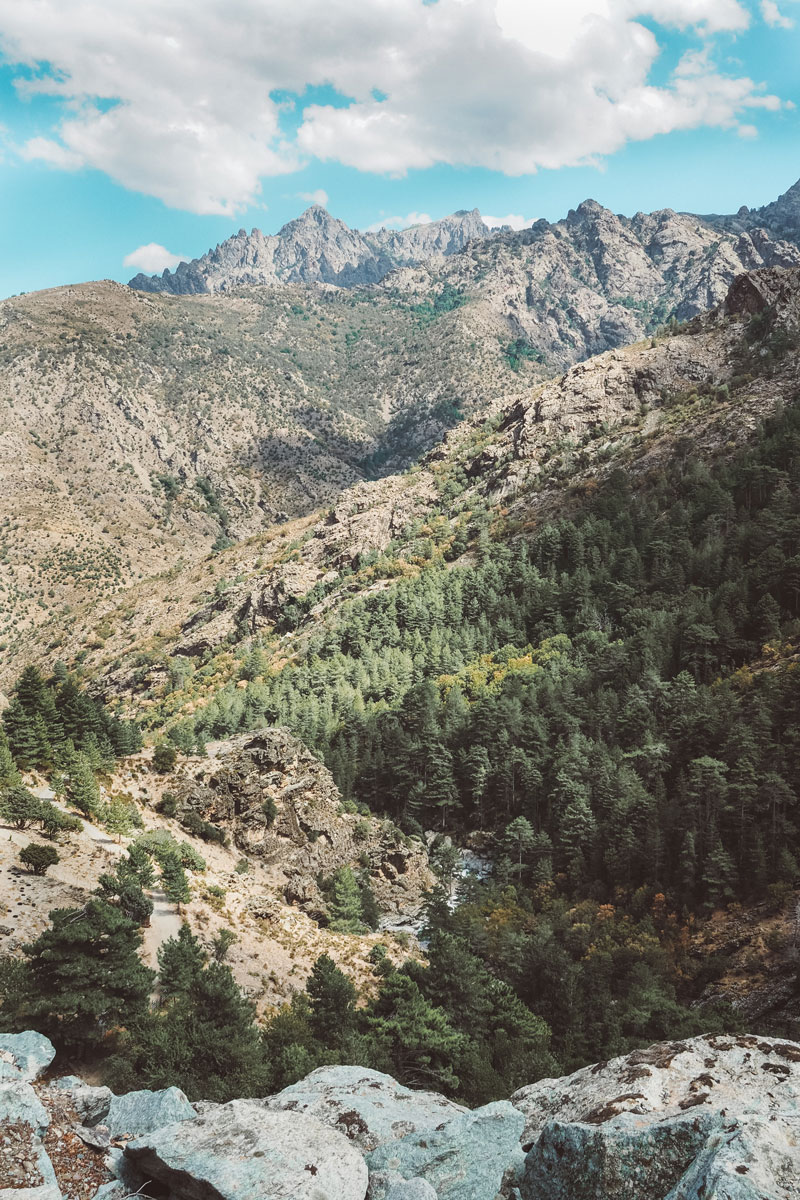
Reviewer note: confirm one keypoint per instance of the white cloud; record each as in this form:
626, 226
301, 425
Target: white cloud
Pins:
515, 220
773, 15
152, 259
412, 218
747, 131
181, 100
320, 196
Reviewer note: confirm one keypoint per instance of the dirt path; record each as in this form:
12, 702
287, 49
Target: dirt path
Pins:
164, 924
165, 921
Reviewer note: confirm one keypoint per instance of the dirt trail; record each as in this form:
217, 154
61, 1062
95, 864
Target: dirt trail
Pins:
165, 921
164, 924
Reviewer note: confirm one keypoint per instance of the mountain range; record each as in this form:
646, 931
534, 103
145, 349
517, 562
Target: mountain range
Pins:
143, 425
319, 248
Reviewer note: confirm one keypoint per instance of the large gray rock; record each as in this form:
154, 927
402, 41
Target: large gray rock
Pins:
242, 1152
19, 1104
713, 1117
25, 1054
141, 1112
411, 1189
368, 1107
464, 1159
92, 1104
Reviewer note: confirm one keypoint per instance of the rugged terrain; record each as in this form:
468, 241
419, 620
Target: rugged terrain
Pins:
625, 408
315, 248
711, 1117
263, 884
142, 430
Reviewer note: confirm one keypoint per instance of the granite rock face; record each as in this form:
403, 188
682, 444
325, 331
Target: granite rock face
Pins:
141, 1112
25, 1055
463, 1159
314, 248
666, 1122
242, 1152
308, 835
368, 1107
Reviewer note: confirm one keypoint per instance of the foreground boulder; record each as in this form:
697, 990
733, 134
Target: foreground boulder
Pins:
713, 1117
243, 1152
463, 1159
141, 1112
90, 1103
368, 1107
25, 1055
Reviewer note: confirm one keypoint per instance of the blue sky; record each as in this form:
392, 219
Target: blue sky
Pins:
173, 124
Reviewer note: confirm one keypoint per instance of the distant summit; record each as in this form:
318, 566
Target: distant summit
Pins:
780, 218
315, 248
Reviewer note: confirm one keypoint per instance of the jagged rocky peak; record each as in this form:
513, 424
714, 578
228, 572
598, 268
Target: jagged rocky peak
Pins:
781, 217
315, 247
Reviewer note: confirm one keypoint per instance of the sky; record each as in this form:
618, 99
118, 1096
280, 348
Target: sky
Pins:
139, 132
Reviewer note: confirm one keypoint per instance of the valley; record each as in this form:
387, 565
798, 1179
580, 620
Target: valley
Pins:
311, 589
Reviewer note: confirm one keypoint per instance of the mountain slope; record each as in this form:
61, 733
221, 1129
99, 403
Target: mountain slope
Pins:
706, 385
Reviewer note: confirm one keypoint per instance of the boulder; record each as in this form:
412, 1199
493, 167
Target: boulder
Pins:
92, 1104
244, 1152
368, 1107
26, 1054
464, 1159
141, 1112
709, 1117
19, 1105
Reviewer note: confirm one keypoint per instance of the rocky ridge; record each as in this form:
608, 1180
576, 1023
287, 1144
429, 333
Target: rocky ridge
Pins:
280, 805
314, 248
712, 1118
141, 428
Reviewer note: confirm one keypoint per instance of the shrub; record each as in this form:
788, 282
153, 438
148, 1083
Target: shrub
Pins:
164, 758
39, 858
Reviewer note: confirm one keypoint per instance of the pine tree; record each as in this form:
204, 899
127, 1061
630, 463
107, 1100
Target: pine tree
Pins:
332, 1001
180, 960
9, 775
19, 807
85, 975
519, 839
39, 858
122, 887
119, 817
174, 881
345, 903
82, 790
415, 1036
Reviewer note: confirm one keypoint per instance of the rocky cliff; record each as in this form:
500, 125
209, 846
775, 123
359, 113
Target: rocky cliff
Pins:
713, 1118
314, 248
280, 805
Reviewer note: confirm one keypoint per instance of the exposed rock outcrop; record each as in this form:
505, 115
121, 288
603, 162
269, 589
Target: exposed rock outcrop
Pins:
280, 804
242, 1152
314, 248
370, 1108
710, 1118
